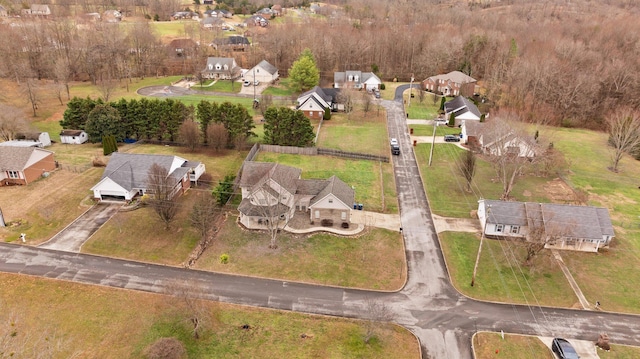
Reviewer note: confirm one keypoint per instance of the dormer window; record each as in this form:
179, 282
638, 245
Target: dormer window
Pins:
210, 67
226, 67
355, 78
350, 78
218, 67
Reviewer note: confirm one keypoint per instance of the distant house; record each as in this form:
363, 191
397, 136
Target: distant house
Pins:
29, 139
37, 10
263, 72
223, 68
314, 102
454, 83
272, 190
277, 9
210, 23
74, 137
23, 165
266, 13
207, 2
560, 226
233, 43
225, 13
111, 16
185, 15
356, 79
126, 175
484, 137
3, 11
182, 48
257, 20
463, 109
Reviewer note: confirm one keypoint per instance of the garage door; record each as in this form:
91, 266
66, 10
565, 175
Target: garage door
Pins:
112, 196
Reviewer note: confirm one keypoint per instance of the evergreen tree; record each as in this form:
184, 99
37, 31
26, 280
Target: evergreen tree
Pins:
452, 120
103, 120
77, 112
442, 101
224, 190
327, 114
286, 127
304, 73
236, 120
204, 114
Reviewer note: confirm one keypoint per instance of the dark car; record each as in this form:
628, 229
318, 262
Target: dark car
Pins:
563, 349
452, 138
395, 149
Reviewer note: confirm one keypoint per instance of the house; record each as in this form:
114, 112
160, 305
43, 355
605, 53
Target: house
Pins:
37, 10
126, 175
207, 2
74, 137
277, 9
256, 20
225, 13
29, 139
455, 83
314, 102
23, 165
3, 11
233, 43
223, 68
182, 48
272, 190
263, 72
489, 138
356, 79
185, 15
211, 22
463, 109
266, 13
111, 16
560, 226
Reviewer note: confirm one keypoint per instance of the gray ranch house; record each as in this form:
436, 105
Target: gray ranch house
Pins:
561, 226
274, 191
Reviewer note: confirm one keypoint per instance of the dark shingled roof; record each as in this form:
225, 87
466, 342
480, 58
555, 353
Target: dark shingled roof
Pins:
132, 170
461, 105
267, 66
16, 158
341, 190
71, 132
249, 209
257, 173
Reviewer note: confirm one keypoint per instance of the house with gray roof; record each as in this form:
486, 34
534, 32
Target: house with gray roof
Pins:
262, 72
497, 138
272, 190
126, 175
463, 109
357, 80
29, 139
37, 10
455, 83
314, 102
559, 226
23, 165
222, 68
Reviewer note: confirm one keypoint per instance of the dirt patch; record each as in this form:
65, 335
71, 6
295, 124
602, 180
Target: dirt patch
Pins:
559, 192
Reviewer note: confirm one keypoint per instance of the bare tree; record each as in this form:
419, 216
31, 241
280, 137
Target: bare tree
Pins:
189, 134
162, 190
190, 299
624, 134
274, 205
366, 102
346, 96
467, 167
11, 122
266, 100
377, 313
31, 90
217, 135
107, 86
541, 231
203, 214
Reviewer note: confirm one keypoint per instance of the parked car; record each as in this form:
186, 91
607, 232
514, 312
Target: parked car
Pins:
563, 349
393, 142
256, 83
395, 149
451, 138
376, 93
247, 83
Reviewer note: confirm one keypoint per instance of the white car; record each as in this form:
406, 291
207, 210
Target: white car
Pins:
393, 142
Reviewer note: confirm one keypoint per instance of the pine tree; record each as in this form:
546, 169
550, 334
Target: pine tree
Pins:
304, 73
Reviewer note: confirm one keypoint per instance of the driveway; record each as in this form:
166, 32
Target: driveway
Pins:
72, 237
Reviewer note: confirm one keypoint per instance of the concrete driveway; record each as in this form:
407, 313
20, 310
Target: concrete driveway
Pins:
585, 349
375, 219
72, 237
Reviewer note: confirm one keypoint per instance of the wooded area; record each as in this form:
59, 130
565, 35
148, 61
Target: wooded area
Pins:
552, 61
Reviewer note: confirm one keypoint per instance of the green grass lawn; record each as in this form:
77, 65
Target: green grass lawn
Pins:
489, 345
365, 176
427, 130
620, 352
282, 88
364, 134
221, 86
87, 319
426, 109
374, 259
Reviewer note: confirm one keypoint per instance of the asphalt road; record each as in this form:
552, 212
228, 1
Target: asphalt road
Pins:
442, 319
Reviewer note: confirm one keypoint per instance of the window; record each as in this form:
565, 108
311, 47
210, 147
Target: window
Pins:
343, 216
330, 200
317, 214
515, 229
499, 228
13, 174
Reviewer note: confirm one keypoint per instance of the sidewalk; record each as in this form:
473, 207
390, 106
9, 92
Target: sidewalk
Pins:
583, 300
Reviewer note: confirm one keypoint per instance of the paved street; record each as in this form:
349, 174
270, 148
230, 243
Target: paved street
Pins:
428, 305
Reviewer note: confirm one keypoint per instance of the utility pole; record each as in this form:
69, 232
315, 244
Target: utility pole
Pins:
410, 91
433, 142
484, 229
2, 224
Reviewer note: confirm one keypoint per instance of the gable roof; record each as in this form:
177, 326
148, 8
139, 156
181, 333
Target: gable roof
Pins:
317, 95
231, 40
71, 132
131, 170
222, 61
338, 188
454, 76
572, 221
258, 173
267, 66
461, 105
16, 158
341, 77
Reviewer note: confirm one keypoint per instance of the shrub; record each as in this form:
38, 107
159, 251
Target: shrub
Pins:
383, 87
165, 348
224, 258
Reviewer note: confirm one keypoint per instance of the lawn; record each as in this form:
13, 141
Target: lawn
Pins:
427, 130
371, 180
374, 259
501, 274
364, 134
491, 345
426, 109
620, 352
88, 319
281, 88
221, 86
